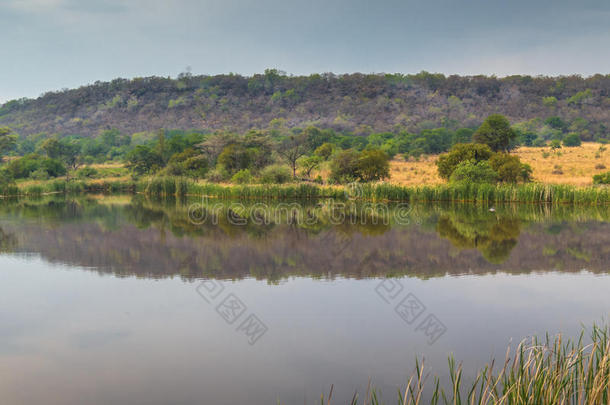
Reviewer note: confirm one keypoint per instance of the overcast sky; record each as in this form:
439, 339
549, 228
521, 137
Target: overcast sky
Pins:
52, 44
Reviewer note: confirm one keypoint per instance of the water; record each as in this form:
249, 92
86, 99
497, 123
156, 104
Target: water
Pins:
102, 301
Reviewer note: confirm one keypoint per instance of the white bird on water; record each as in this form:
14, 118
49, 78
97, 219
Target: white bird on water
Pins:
492, 209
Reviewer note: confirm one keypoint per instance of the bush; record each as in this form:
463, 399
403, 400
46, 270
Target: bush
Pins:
460, 153
6, 179
369, 165
87, 173
276, 174
217, 175
373, 164
603, 178
344, 166
572, 140
495, 132
324, 150
509, 168
242, 177
23, 167
39, 174
472, 171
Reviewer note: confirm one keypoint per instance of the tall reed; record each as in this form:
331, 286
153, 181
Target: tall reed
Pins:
546, 372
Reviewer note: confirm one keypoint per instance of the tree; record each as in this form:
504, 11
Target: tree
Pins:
7, 141
143, 160
495, 132
292, 147
509, 168
572, 140
459, 153
308, 164
64, 150
234, 157
463, 135
344, 166
324, 150
373, 165
471, 171
369, 165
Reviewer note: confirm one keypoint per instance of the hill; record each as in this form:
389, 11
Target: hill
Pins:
353, 103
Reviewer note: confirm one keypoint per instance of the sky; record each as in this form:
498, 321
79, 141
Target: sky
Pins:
48, 45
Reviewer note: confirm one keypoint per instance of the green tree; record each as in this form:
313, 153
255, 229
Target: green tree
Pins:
7, 141
344, 166
459, 153
324, 150
495, 132
572, 140
471, 171
309, 164
234, 157
144, 160
373, 165
292, 147
65, 150
463, 135
509, 168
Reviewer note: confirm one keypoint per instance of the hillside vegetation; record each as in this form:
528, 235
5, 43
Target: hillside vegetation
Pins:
356, 104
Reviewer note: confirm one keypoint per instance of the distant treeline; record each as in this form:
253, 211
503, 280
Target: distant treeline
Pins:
350, 105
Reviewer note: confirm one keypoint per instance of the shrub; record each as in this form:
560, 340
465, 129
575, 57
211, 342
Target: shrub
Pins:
324, 150
87, 173
373, 164
344, 166
23, 167
276, 174
39, 174
369, 165
572, 140
217, 175
459, 153
242, 177
509, 168
555, 144
472, 171
603, 178
495, 132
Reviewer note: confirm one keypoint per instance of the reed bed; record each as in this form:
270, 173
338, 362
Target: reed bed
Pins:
549, 372
471, 193
488, 193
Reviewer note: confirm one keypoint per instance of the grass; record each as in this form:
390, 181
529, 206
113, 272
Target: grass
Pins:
480, 194
539, 372
577, 166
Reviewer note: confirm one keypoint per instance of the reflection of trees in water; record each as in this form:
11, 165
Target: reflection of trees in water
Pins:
8, 241
494, 236
137, 236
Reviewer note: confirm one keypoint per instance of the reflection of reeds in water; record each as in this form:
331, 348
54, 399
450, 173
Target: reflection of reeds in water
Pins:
545, 372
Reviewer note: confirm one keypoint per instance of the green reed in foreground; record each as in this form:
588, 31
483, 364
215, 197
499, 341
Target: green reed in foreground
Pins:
549, 372
472, 193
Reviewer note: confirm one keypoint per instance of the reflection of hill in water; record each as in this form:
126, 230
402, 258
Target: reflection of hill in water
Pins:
144, 239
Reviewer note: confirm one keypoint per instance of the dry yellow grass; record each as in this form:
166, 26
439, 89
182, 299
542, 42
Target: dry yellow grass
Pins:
575, 166
415, 172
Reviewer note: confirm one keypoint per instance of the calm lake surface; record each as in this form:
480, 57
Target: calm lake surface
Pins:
124, 300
